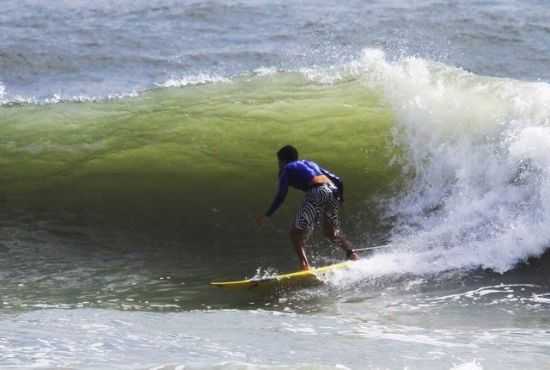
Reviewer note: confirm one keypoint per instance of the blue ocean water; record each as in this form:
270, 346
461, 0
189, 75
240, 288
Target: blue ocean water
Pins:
77, 48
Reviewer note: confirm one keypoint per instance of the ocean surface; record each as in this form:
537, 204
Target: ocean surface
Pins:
137, 146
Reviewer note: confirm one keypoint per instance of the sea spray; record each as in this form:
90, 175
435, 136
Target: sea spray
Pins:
477, 152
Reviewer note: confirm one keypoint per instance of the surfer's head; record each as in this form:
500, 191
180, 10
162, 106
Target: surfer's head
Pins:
287, 154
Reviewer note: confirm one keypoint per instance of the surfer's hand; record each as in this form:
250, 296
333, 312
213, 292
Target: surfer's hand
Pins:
260, 220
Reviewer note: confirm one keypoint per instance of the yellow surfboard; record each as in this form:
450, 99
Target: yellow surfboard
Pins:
314, 275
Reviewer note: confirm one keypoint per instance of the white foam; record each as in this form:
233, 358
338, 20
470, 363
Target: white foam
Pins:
2, 92
325, 76
477, 151
5, 99
472, 365
265, 71
198, 79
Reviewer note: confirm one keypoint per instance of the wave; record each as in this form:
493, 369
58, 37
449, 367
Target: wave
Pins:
198, 154
455, 162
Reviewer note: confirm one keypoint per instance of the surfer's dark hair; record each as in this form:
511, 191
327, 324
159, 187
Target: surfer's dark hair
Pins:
287, 153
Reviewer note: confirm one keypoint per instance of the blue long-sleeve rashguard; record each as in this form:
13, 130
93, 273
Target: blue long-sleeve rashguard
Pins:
299, 175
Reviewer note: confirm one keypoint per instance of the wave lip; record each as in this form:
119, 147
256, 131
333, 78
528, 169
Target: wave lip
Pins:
16, 100
193, 80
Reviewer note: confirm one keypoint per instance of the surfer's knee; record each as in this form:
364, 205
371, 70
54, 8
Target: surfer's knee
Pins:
330, 236
297, 235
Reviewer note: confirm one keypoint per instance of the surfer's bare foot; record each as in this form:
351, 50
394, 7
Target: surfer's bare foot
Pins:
305, 266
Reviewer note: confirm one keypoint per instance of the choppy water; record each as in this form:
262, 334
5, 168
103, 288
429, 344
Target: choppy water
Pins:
76, 48
136, 148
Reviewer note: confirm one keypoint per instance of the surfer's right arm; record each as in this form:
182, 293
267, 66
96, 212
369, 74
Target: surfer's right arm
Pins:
280, 195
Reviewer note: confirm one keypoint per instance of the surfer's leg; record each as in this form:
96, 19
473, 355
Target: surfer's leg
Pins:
337, 237
298, 238
305, 221
332, 230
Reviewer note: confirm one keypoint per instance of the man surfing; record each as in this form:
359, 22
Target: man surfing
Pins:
324, 192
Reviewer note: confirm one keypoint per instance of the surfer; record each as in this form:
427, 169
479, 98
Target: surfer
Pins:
324, 192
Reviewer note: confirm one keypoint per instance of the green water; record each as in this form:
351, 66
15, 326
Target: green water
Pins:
206, 153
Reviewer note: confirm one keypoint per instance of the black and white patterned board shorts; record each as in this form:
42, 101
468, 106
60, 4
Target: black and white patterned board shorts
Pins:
319, 201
